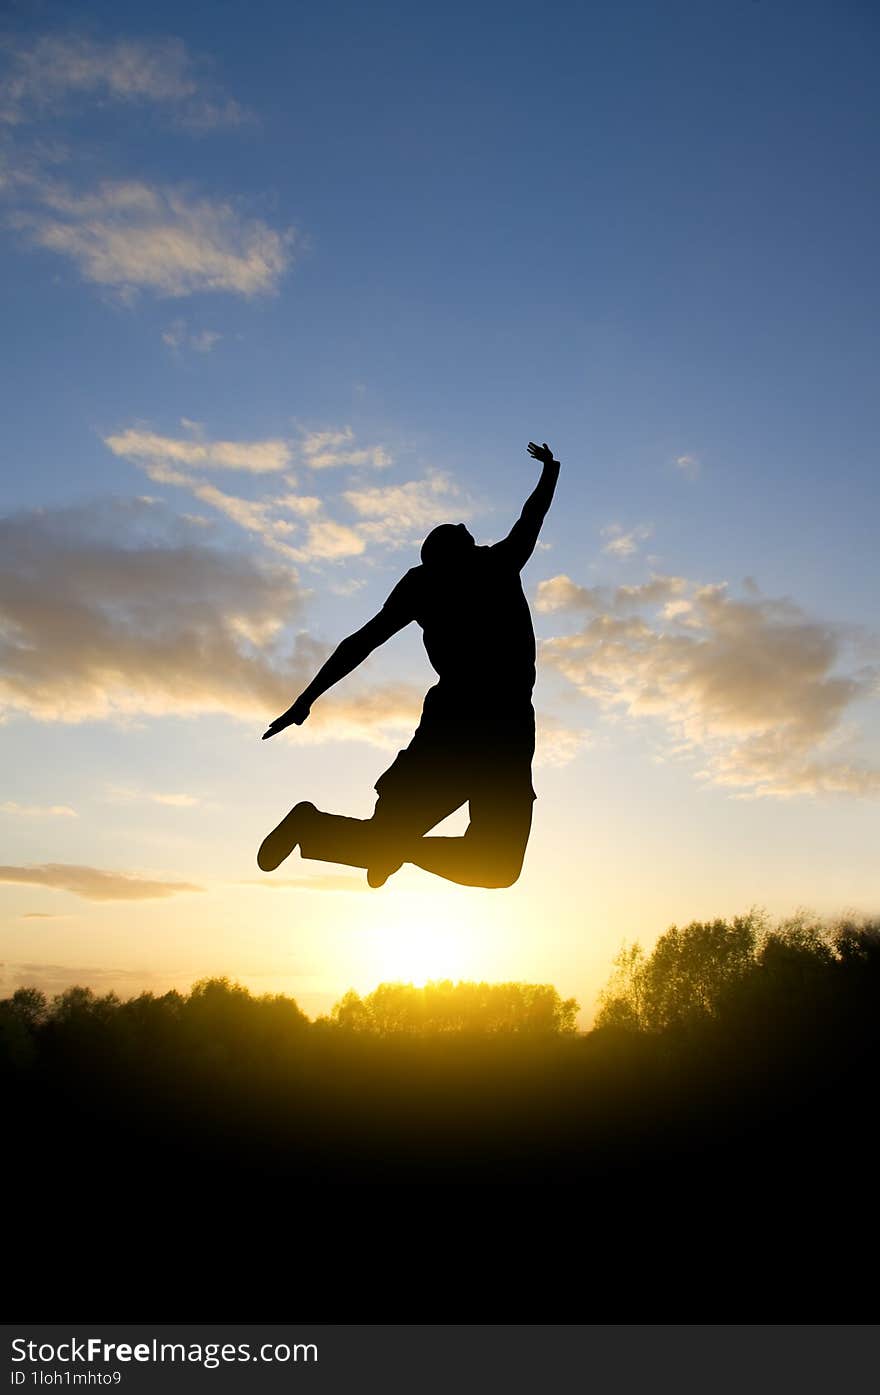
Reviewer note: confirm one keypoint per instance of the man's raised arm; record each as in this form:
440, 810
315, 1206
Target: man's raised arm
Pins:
394, 614
520, 541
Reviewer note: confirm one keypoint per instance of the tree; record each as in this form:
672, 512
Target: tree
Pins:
30, 1006
443, 1007
685, 978
621, 1002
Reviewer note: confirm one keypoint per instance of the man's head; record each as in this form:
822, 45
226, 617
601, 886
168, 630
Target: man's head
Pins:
446, 545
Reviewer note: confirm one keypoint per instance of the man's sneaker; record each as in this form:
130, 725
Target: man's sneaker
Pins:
281, 842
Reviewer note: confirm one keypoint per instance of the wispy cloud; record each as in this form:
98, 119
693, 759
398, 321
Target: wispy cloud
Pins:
273, 519
48, 74
557, 743
323, 450
179, 336
298, 526
754, 685
123, 794
398, 514
256, 457
328, 541
130, 236
93, 883
624, 542
37, 811
55, 978
329, 881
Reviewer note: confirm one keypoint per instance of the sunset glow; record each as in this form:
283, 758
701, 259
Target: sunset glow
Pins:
279, 309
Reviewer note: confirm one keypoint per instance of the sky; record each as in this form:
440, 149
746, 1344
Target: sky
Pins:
283, 287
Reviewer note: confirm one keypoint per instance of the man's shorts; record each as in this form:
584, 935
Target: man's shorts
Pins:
458, 755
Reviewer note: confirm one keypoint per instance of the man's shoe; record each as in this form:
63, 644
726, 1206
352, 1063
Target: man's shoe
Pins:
281, 842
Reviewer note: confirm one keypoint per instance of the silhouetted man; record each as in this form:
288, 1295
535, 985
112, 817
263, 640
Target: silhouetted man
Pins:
476, 737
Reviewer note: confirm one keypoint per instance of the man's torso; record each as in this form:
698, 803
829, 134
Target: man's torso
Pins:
477, 631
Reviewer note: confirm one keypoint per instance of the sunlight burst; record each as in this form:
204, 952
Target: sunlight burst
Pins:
424, 937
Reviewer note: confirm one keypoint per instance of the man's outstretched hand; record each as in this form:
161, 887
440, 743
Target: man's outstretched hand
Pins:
294, 716
542, 453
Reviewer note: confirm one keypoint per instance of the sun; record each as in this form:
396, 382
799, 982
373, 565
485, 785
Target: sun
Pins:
416, 930
423, 936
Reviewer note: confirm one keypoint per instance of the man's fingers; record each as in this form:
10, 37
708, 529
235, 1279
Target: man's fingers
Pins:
295, 717
542, 452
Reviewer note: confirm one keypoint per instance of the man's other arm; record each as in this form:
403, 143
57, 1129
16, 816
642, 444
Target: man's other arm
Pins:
520, 541
395, 613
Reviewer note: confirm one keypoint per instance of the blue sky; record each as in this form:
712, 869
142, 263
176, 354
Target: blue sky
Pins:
307, 279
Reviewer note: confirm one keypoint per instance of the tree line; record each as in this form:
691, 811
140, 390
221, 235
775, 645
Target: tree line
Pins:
724, 1031
725, 1087
705, 971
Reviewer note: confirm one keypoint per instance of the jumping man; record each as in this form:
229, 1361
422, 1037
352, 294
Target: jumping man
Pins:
476, 737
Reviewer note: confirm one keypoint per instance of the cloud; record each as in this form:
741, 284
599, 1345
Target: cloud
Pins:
561, 593
253, 515
55, 978
255, 457
178, 337
294, 525
665, 590
330, 881
130, 236
118, 610
47, 74
328, 540
754, 685
322, 450
379, 714
558, 744
624, 544
37, 811
324, 540
399, 514
93, 883
121, 794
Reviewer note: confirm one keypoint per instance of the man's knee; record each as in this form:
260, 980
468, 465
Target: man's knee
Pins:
496, 881
499, 868
498, 845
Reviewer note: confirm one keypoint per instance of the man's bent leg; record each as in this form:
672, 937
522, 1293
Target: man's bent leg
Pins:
381, 844
335, 838
490, 853
418, 790
325, 838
